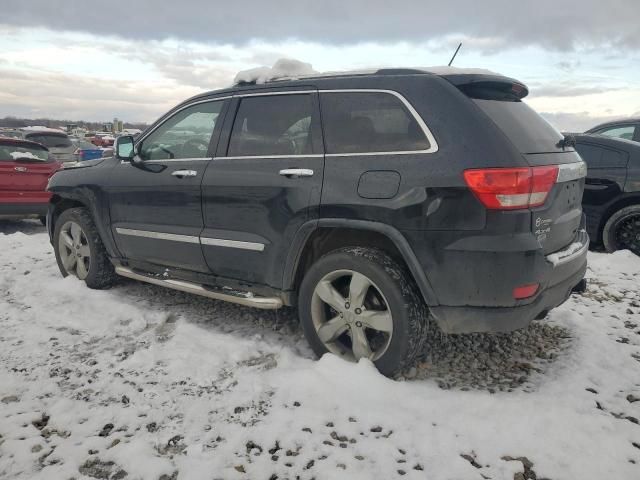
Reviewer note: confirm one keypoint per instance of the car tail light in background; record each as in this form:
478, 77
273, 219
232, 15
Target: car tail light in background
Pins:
525, 291
512, 188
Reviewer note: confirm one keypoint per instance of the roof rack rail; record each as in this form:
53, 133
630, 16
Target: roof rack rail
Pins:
398, 71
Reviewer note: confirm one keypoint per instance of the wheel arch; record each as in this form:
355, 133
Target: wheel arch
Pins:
60, 202
57, 205
319, 237
618, 204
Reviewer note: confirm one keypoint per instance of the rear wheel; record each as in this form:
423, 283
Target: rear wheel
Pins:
359, 303
622, 230
79, 249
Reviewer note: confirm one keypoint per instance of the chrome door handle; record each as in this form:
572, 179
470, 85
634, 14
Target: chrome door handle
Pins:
184, 173
296, 172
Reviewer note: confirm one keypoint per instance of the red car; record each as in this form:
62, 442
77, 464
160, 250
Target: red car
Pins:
103, 140
25, 169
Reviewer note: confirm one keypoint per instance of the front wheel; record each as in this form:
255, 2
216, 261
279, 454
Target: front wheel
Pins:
79, 249
359, 303
622, 230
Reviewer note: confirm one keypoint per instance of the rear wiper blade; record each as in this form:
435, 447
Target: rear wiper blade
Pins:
566, 142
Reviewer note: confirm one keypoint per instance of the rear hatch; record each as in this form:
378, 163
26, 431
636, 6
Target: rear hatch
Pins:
58, 144
557, 222
25, 169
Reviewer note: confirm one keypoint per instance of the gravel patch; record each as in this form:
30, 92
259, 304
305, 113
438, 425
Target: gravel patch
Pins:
490, 361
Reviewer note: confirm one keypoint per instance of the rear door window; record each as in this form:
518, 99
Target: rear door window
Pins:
369, 122
273, 125
619, 131
599, 157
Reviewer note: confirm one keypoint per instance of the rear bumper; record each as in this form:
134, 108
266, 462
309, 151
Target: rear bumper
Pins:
23, 210
475, 291
506, 319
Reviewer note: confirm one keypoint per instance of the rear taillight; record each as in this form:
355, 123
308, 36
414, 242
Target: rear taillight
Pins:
511, 188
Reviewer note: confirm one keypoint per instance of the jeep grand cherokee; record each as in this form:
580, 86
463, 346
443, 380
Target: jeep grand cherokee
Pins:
373, 202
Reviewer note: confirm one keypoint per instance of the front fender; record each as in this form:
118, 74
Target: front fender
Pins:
76, 187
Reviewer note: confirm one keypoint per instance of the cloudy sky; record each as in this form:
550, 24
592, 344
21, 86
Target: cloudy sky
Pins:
82, 59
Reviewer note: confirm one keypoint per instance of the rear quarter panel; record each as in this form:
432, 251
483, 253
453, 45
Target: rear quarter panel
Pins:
432, 194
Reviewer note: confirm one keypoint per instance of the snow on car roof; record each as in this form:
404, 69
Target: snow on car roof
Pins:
291, 69
42, 129
283, 68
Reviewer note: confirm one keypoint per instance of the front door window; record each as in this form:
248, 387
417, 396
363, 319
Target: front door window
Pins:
185, 135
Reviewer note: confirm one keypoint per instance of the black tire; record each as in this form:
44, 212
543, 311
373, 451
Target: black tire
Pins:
101, 273
43, 221
404, 302
610, 231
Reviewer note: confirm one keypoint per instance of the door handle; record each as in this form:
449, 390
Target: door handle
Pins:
296, 172
184, 173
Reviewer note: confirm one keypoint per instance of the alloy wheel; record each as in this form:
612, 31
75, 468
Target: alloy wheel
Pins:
627, 233
351, 316
73, 247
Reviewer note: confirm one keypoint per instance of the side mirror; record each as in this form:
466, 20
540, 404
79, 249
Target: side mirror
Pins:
124, 147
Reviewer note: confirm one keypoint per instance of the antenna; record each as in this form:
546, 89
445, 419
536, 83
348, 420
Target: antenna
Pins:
454, 55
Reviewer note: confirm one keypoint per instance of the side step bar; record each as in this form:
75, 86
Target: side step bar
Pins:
242, 298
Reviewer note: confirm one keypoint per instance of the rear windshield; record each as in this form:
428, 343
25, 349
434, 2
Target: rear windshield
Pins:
5, 133
22, 153
527, 130
50, 140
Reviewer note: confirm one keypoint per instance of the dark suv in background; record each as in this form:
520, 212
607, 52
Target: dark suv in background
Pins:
612, 191
372, 202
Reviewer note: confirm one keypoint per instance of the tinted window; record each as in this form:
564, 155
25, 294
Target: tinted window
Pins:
598, 157
184, 135
367, 122
272, 125
621, 131
527, 130
50, 140
13, 153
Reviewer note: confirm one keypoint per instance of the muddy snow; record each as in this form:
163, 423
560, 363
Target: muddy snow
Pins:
139, 382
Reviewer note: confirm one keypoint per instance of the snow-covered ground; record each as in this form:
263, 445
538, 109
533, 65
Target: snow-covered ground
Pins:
143, 382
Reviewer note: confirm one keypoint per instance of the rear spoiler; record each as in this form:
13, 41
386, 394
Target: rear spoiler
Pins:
488, 87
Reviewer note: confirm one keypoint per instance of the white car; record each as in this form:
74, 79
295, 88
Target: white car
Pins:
57, 141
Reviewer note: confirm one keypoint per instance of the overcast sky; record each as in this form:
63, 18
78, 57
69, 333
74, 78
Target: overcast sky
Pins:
87, 60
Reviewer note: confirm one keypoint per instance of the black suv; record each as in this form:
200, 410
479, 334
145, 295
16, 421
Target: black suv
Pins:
372, 202
612, 191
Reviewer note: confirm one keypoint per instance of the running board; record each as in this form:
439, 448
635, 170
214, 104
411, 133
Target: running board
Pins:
241, 298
